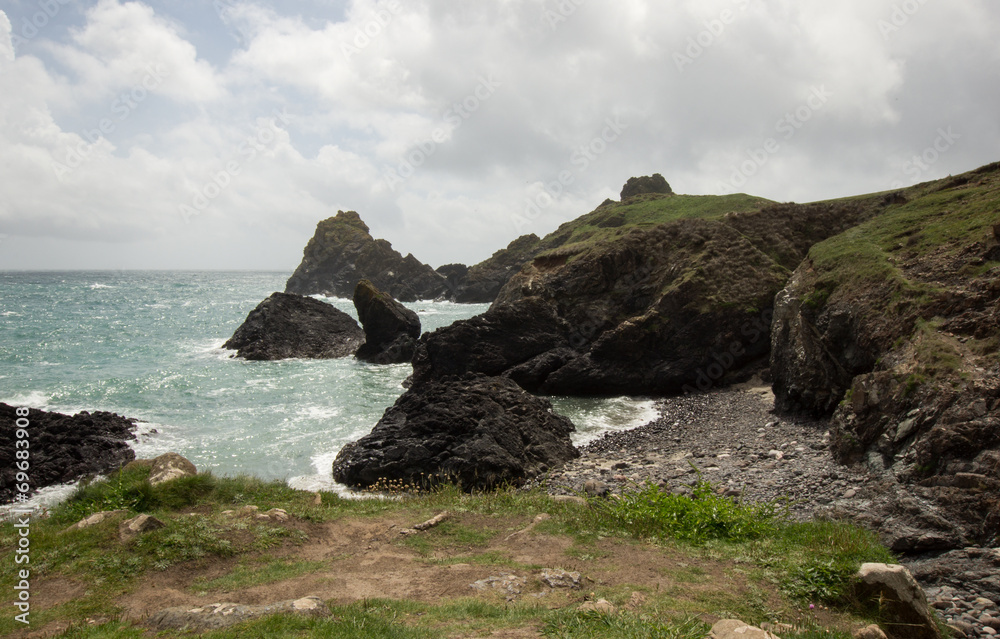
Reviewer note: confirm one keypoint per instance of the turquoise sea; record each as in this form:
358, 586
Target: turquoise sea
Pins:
147, 344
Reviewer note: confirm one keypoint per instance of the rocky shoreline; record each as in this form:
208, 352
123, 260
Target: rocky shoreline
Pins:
733, 438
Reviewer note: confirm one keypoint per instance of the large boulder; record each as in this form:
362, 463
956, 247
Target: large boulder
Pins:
391, 329
342, 253
285, 326
901, 602
170, 466
476, 431
63, 448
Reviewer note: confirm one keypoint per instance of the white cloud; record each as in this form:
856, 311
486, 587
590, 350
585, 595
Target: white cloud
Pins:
395, 82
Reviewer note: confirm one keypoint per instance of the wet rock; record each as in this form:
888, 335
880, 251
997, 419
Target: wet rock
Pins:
285, 326
477, 431
391, 329
64, 448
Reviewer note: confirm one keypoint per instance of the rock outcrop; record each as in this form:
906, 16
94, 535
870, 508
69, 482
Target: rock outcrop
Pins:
900, 601
654, 183
342, 253
476, 431
481, 283
63, 448
169, 466
214, 616
391, 329
894, 327
285, 326
679, 307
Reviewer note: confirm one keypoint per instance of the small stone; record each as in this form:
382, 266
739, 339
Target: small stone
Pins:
560, 579
775, 454
989, 631
869, 632
850, 494
277, 514
596, 488
139, 524
602, 606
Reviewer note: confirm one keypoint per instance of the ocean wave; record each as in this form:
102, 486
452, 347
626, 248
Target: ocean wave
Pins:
97, 286
31, 399
10, 314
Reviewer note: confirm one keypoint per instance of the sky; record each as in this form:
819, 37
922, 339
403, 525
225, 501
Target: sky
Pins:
215, 134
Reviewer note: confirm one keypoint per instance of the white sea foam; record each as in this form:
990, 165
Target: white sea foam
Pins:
97, 286
43, 500
10, 314
594, 418
30, 399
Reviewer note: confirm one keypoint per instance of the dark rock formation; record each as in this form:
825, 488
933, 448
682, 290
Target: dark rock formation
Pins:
482, 282
680, 307
490, 343
342, 253
894, 328
654, 183
285, 326
477, 431
391, 329
63, 448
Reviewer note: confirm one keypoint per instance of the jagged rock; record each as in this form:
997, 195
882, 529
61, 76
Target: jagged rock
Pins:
132, 528
482, 282
170, 466
508, 584
342, 253
391, 329
222, 615
901, 602
736, 629
654, 183
477, 431
285, 326
64, 448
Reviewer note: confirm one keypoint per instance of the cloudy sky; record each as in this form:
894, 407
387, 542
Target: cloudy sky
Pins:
215, 134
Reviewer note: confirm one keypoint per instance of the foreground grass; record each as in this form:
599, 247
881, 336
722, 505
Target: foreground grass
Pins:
792, 564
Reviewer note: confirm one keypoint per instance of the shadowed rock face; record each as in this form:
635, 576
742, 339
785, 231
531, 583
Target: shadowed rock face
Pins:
391, 329
342, 253
478, 431
285, 326
64, 448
